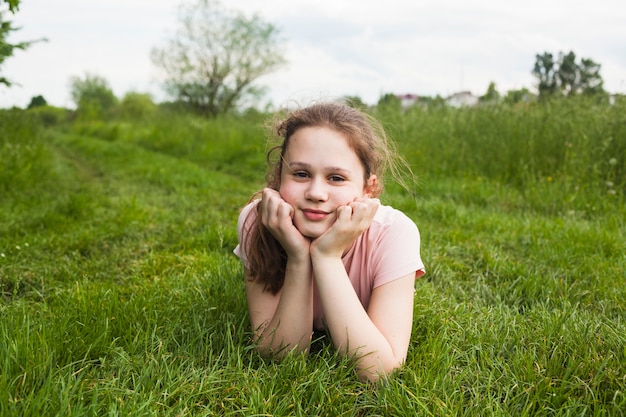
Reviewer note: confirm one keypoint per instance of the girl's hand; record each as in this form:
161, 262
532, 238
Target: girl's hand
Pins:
277, 216
352, 220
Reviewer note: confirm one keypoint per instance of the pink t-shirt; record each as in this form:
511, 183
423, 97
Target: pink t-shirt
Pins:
388, 250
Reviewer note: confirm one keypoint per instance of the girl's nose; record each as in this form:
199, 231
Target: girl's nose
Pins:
316, 191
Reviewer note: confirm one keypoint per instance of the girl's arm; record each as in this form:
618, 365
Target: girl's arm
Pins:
284, 321
378, 338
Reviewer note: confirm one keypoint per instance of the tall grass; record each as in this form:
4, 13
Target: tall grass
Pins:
560, 152
119, 293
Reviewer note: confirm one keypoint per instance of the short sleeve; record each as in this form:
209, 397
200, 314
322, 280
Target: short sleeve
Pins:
397, 250
245, 222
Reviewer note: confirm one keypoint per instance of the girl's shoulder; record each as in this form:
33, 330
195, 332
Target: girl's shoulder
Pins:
247, 215
387, 216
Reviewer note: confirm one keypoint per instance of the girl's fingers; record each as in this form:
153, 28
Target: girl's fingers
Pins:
344, 213
284, 210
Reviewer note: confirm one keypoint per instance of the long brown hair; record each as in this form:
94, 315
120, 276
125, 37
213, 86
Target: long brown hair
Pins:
267, 259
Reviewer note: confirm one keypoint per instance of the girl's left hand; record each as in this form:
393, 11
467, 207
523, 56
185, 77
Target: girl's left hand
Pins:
352, 220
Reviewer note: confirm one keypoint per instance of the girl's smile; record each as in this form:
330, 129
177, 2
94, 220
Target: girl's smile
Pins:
320, 173
315, 215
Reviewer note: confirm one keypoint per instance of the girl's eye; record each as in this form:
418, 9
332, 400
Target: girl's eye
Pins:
301, 174
335, 178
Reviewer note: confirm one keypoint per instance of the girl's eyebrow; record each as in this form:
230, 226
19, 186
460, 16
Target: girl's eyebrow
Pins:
306, 166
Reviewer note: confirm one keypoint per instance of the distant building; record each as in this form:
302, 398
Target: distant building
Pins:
462, 99
616, 97
407, 100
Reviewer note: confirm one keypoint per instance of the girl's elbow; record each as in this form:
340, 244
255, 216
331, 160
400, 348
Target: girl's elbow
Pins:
380, 370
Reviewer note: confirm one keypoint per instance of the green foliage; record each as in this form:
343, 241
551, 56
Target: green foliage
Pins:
13, 4
120, 295
390, 103
566, 148
137, 106
212, 63
565, 76
92, 95
50, 115
24, 159
37, 101
522, 95
355, 102
492, 95
7, 49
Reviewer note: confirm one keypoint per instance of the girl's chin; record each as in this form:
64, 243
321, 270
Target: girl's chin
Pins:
311, 232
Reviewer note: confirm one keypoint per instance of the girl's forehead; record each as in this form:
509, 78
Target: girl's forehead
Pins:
324, 149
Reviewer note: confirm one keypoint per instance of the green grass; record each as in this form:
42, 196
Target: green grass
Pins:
120, 295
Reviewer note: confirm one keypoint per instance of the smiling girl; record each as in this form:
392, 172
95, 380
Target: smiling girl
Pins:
319, 250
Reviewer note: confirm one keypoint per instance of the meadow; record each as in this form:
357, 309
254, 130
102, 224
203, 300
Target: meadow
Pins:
120, 295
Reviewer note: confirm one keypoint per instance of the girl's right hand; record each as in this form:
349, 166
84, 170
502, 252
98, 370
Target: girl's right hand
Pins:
277, 216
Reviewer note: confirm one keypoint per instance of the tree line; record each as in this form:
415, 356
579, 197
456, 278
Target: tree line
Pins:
213, 62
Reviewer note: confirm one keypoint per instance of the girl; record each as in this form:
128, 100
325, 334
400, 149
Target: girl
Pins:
319, 250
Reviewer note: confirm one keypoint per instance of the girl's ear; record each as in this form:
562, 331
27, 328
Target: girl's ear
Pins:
372, 188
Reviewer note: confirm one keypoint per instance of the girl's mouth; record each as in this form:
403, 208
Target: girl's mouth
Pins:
314, 215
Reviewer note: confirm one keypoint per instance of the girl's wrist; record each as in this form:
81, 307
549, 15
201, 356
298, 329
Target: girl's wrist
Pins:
296, 259
317, 255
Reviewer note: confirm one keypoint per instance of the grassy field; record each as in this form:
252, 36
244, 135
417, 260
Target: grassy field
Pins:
120, 295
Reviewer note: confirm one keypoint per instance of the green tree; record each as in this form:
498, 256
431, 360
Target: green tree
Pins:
137, 105
92, 95
355, 102
518, 96
492, 95
13, 4
6, 27
566, 76
389, 102
216, 56
37, 101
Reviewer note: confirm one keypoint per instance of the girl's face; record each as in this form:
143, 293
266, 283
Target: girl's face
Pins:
320, 173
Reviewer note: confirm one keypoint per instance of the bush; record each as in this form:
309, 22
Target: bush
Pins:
137, 106
50, 115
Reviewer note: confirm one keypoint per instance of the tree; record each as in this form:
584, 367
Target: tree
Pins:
492, 95
389, 102
6, 27
92, 95
216, 56
136, 105
565, 76
355, 102
518, 96
13, 4
37, 101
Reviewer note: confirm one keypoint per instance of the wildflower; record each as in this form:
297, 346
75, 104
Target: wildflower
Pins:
549, 178
612, 192
18, 247
2, 255
609, 184
612, 161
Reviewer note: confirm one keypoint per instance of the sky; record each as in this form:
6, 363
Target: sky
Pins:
333, 48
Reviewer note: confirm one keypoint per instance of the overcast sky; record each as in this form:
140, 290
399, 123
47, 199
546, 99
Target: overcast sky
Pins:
334, 48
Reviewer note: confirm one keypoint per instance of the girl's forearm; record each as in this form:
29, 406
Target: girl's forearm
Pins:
352, 330
292, 324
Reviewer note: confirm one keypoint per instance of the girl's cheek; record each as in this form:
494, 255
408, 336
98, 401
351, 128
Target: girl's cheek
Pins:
286, 192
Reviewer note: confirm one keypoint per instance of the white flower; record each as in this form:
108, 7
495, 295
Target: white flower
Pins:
612, 161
